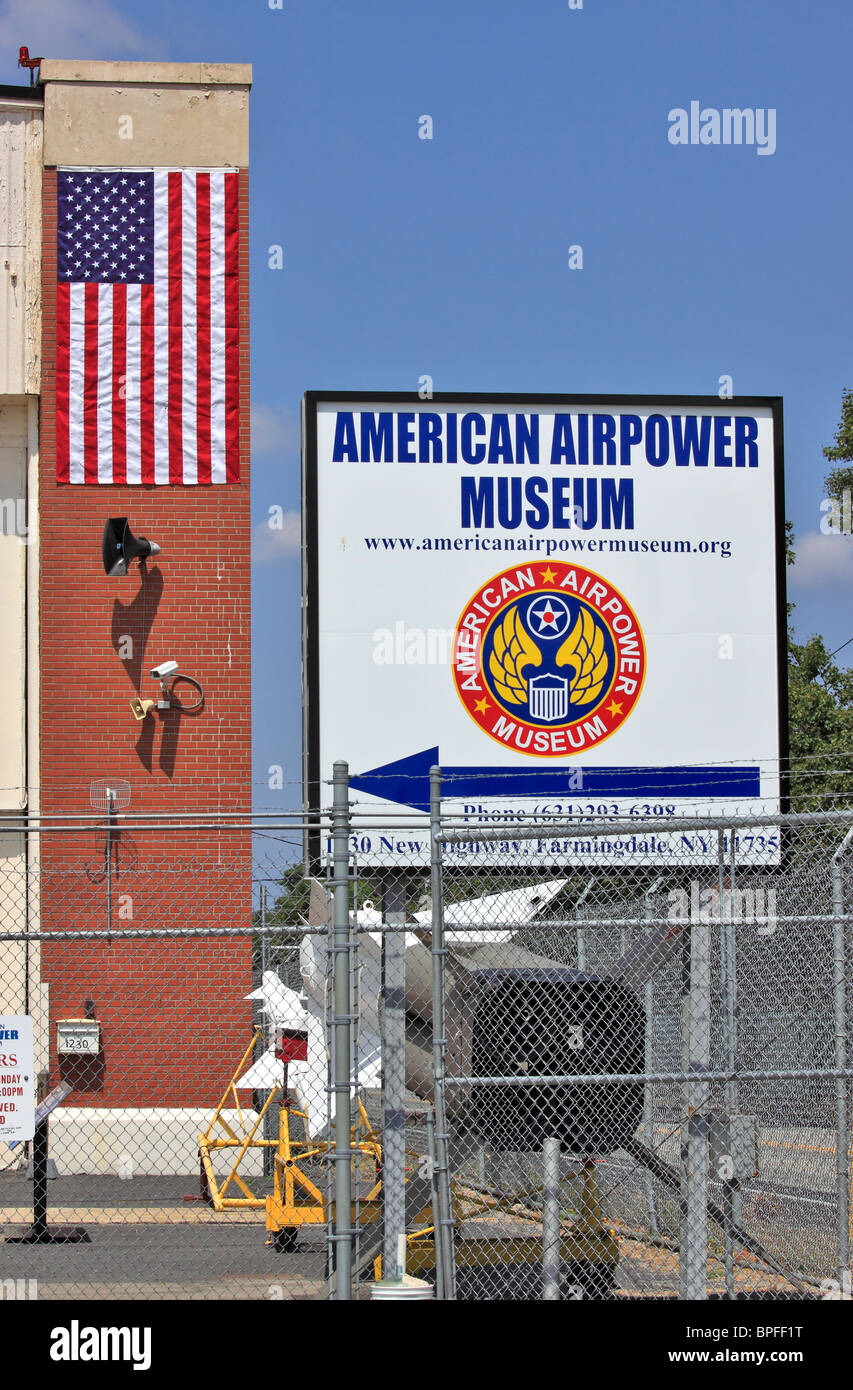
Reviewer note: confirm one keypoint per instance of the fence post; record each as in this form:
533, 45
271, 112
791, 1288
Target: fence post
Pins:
648, 1063
842, 1157
580, 938
394, 1077
270, 1129
728, 997
341, 1030
436, 1213
445, 1271
693, 1242
551, 1220
355, 1068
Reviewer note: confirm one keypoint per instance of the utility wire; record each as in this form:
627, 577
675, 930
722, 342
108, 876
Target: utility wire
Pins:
839, 649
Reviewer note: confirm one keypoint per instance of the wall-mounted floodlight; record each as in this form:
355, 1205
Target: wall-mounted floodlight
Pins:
119, 546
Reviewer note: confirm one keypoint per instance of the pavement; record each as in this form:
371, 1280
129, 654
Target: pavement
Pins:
147, 1242
152, 1238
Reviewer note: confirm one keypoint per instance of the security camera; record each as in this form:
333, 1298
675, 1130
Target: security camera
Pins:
164, 670
167, 674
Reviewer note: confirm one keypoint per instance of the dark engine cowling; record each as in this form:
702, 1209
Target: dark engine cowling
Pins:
510, 1013
555, 1022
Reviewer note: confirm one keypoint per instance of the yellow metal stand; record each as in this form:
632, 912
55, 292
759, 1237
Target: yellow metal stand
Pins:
243, 1138
296, 1199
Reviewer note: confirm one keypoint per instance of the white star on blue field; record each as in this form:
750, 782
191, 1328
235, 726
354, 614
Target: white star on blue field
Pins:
552, 617
106, 227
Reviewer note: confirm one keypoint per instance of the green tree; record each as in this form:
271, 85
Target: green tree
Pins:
837, 479
820, 692
820, 722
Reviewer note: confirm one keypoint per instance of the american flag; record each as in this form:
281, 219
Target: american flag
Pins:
147, 326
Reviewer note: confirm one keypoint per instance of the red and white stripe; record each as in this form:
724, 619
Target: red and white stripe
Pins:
147, 376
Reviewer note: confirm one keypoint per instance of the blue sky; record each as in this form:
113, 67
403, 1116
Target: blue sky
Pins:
449, 257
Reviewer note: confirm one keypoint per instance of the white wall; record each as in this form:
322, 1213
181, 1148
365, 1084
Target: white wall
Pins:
21, 131
13, 579
20, 247
157, 1143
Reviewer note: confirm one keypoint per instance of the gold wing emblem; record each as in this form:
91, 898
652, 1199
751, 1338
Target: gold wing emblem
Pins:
513, 650
583, 650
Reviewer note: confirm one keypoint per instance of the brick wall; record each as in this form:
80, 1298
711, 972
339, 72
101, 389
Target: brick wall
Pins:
182, 1004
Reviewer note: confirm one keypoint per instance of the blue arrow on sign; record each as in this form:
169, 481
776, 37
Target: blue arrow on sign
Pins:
406, 781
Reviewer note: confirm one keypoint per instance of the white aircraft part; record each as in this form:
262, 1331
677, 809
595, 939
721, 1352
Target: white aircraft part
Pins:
263, 1074
517, 905
282, 1005
313, 965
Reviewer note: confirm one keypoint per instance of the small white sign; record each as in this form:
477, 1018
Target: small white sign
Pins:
17, 1080
78, 1035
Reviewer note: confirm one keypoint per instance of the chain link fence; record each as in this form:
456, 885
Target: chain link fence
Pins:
156, 959
509, 1082
638, 1077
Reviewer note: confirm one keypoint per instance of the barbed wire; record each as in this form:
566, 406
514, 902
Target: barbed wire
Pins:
215, 785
